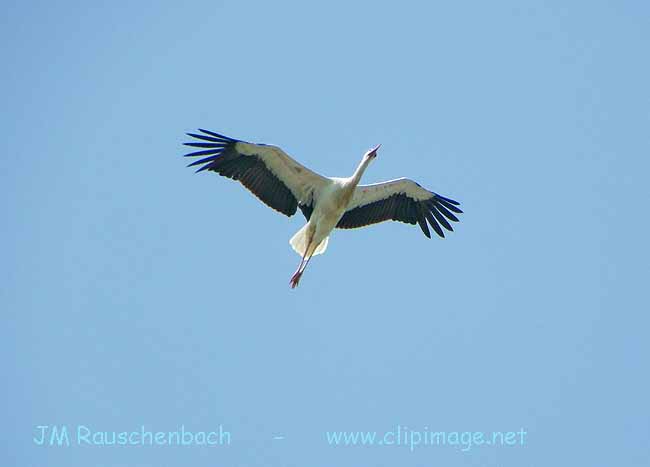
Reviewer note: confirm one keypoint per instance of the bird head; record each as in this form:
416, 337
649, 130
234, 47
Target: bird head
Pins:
372, 153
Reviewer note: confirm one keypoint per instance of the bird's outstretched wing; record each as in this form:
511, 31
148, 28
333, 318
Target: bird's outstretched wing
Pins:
400, 200
267, 171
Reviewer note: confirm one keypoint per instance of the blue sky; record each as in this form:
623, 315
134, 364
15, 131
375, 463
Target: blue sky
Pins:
135, 292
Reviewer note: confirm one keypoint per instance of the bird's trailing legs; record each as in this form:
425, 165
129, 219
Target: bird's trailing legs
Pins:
295, 279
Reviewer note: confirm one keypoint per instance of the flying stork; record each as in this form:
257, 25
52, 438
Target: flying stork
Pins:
326, 202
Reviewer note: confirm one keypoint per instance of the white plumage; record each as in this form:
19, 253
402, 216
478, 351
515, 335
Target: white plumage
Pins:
327, 203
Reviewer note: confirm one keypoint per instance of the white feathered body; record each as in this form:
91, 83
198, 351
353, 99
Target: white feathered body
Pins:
332, 204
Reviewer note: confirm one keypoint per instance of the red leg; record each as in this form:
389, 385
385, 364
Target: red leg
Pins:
295, 279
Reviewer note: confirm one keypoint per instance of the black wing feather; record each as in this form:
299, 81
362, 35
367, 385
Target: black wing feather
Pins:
250, 170
441, 220
440, 207
422, 221
205, 145
402, 208
434, 224
445, 202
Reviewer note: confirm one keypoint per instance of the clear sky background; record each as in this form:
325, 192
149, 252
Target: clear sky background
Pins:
135, 292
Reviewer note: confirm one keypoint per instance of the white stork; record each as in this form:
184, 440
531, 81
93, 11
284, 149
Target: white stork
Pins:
327, 202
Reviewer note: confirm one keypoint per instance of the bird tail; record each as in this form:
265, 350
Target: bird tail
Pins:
299, 243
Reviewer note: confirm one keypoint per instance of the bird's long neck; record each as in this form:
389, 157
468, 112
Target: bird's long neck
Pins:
356, 177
